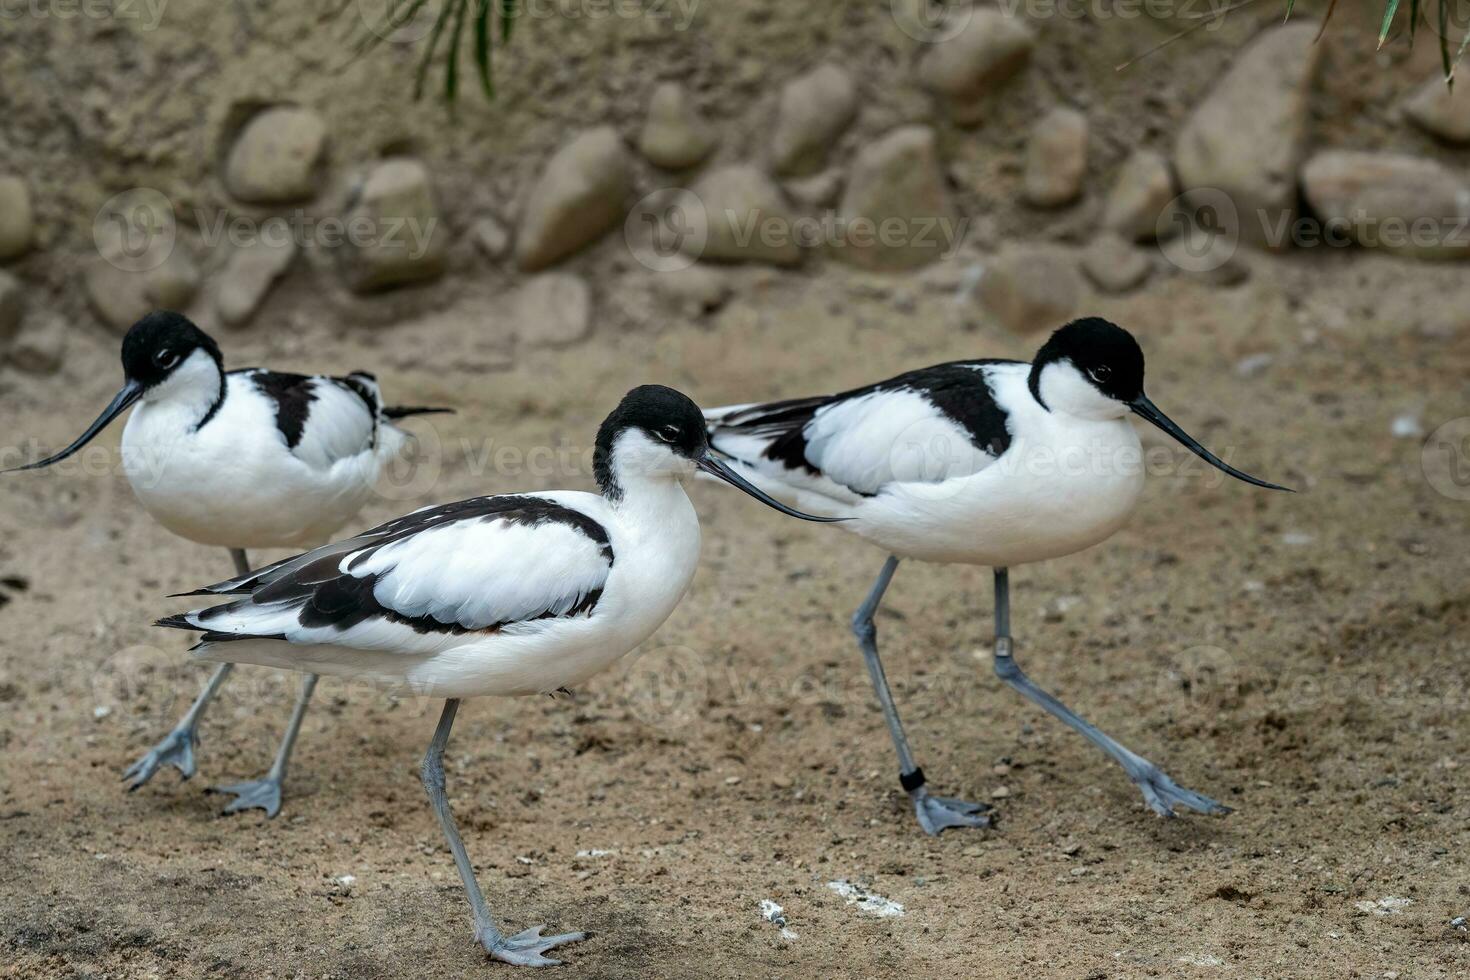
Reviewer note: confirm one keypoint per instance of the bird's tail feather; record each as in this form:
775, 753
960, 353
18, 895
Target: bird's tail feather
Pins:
404, 411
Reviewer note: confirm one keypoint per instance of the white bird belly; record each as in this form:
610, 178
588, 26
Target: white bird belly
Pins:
1037, 501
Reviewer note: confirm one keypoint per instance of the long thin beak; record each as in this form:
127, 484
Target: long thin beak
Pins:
130, 393
1144, 408
715, 467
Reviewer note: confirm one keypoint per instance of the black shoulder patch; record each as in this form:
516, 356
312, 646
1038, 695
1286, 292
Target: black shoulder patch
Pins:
293, 397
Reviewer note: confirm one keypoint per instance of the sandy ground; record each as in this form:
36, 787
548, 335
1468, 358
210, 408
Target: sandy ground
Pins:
1301, 658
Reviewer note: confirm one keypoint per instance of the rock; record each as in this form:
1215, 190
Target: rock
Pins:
694, 291
1056, 158
1207, 254
492, 237
552, 309
743, 218
41, 344
248, 276
118, 296
967, 67
1030, 290
1440, 110
815, 109
12, 304
277, 156
581, 194
1114, 264
896, 212
399, 235
173, 284
1142, 192
16, 218
675, 136
817, 191
1402, 204
1248, 137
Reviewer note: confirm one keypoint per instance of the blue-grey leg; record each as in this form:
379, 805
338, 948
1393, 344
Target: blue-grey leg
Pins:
1160, 792
935, 813
265, 793
522, 949
177, 747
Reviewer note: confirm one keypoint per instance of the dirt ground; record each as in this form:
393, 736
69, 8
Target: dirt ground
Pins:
1299, 657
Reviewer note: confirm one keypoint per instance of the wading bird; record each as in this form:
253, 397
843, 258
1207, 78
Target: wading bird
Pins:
987, 462
503, 596
240, 459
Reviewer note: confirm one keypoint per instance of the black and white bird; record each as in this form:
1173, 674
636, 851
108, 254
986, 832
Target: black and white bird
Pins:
240, 459
986, 462
509, 595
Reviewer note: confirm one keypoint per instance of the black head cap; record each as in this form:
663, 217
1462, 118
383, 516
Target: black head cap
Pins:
159, 343
663, 414
1105, 353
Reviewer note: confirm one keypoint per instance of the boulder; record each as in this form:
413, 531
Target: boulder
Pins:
1249, 135
277, 156
1056, 158
1141, 197
814, 111
969, 65
1115, 265
394, 234
41, 344
1440, 110
1402, 204
896, 213
1030, 290
17, 220
552, 309
675, 136
582, 193
248, 275
740, 215
694, 291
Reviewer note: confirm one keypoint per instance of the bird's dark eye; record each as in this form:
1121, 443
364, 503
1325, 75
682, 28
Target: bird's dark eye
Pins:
166, 359
667, 433
1101, 373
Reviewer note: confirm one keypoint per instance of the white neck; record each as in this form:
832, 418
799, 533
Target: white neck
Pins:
1063, 389
190, 392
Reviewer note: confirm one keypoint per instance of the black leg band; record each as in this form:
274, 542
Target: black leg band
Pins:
911, 781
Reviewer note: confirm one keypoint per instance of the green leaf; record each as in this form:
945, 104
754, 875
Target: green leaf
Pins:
1464, 42
451, 69
1388, 12
1444, 38
507, 18
1289, 5
482, 47
428, 56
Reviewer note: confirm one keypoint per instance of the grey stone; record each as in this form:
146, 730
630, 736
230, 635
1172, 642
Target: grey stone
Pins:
582, 193
40, 346
1115, 265
1249, 135
1031, 290
742, 217
277, 156
815, 109
552, 309
492, 237
394, 232
1056, 158
965, 69
1406, 205
675, 136
1440, 110
694, 291
1141, 195
17, 231
248, 275
817, 191
896, 213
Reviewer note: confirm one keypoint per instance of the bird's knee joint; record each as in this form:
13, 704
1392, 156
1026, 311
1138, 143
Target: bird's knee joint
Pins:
863, 627
431, 771
1005, 664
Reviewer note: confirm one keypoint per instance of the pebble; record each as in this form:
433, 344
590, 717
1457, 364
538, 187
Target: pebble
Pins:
248, 275
1384, 200
553, 309
1440, 110
693, 291
40, 346
897, 182
966, 68
744, 218
1254, 365
407, 241
1407, 426
1031, 290
492, 237
1000, 792
1114, 264
1141, 197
